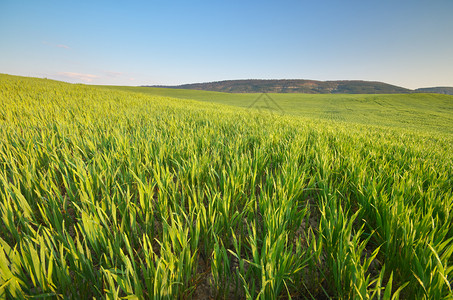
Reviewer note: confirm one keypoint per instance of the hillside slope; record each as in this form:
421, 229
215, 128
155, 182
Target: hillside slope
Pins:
419, 112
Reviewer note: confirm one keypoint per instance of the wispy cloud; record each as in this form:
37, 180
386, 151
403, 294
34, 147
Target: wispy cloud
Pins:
122, 76
113, 74
56, 45
78, 76
63, 46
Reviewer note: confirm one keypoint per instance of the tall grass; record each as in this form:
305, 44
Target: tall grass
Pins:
110, 194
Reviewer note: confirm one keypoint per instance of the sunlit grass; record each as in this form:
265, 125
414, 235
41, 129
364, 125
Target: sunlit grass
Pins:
110, 194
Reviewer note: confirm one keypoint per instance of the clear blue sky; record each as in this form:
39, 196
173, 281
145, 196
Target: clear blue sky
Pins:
402, 42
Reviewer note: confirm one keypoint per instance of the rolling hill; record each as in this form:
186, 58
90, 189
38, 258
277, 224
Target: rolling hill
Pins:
414, 111
295, 86
447, 90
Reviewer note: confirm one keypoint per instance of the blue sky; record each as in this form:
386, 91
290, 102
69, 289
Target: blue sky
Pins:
406, 43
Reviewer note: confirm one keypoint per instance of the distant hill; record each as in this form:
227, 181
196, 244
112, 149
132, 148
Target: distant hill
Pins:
295, 86
438, 90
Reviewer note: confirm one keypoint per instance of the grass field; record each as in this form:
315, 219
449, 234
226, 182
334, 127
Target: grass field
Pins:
118, 194
422, 112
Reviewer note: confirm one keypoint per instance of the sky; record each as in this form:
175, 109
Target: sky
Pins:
401, 42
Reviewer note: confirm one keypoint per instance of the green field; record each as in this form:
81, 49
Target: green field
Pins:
420, 112
111, 193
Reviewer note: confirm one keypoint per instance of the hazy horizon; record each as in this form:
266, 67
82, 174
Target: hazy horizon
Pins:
171, 43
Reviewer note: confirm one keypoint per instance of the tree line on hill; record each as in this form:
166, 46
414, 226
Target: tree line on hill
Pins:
306, 86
